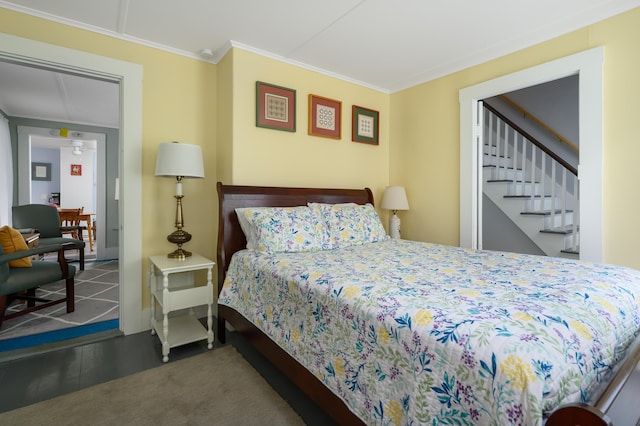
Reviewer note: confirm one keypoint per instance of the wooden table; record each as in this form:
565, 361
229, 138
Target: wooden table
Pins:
71, 215
86, 217
31, 239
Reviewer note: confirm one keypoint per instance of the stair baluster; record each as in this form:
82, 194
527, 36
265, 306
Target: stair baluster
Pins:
532, 172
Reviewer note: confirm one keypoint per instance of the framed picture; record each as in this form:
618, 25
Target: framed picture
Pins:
275, 107
325, 116
40, 171
76, 170
364, 127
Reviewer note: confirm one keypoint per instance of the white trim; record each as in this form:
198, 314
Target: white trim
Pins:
588, 65
95, 29
234, 44
129, 75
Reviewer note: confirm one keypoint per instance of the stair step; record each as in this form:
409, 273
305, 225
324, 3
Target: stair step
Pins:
546, 212
524, 197
503, 168
509, 181
567, 230
570, 251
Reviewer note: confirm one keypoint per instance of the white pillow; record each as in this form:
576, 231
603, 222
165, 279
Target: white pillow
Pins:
350, 224
247, 228
281, 229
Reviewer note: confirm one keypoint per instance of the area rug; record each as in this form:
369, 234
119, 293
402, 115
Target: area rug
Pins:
97, 301
218, 387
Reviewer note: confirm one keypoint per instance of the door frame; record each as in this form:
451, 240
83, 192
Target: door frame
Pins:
24, 178
589, 66
129, 77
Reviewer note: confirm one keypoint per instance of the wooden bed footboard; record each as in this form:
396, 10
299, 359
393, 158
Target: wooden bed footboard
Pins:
231, 239
603, 412
299, 376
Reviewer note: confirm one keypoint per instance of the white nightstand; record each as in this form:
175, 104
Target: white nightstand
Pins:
175, 294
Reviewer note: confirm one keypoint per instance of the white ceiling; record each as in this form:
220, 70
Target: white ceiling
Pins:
382, 44
36, 93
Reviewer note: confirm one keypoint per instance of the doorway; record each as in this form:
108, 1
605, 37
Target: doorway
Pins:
93, 151
129, 77
588, 65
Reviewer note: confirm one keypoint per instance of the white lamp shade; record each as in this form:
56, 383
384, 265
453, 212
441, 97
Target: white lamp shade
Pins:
394, 198
179, 159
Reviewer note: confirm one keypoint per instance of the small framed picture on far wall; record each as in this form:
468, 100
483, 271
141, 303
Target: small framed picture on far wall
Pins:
76, 170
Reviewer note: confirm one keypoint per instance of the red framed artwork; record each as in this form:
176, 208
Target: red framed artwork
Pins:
76, 170
275, 107
325, 117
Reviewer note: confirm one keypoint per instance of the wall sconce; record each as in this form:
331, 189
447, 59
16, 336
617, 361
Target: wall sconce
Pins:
394, 199
179, 160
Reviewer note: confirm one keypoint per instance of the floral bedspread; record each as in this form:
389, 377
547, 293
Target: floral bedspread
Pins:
415, 333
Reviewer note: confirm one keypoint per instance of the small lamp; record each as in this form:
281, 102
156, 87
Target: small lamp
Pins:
179, 160
394, 199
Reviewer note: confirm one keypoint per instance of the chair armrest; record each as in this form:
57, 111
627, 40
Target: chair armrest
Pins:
50, 248
6, 257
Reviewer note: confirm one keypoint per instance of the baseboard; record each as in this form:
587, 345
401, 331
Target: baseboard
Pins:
61, 344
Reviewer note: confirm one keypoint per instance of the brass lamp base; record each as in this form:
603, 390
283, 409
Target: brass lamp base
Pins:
179, 237
179, 254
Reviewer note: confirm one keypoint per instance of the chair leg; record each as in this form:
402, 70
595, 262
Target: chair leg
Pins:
3, 307
31, 296
81, 252
71, 300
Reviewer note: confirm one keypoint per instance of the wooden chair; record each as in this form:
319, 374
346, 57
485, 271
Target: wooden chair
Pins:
46, 220
21, 283
70, 222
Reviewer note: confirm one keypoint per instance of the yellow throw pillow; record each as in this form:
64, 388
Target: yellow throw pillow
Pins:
12, 242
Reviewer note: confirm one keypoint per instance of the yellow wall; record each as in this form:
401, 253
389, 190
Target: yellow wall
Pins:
425, 133
264, 156
214, 106
225, 118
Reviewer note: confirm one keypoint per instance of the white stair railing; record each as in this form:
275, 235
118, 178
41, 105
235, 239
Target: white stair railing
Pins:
536, 175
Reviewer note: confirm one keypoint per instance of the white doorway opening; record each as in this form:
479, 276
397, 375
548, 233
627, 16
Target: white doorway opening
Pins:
129, 78
95, 202
588, 65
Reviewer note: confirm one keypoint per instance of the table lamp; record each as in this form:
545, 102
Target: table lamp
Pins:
179, 160
394, 199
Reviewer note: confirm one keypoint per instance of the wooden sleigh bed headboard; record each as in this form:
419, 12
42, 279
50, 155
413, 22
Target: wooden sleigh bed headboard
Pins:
230, 235
231, 239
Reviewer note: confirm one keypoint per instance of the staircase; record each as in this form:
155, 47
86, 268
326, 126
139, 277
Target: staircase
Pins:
536, 189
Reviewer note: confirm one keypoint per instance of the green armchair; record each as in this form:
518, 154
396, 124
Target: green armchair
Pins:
21, 283
46, 221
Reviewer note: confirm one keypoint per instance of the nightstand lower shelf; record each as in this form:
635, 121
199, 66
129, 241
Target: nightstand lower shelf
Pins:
184, 329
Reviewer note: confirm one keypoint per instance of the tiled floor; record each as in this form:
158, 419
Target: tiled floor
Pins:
39, 376
96, 299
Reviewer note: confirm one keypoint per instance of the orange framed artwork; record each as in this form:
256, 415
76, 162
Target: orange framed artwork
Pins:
325, 117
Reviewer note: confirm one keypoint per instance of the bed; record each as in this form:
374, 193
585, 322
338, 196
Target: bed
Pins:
349, 327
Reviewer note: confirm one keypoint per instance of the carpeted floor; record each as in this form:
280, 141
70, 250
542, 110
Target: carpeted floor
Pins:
97, 299
218, 387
